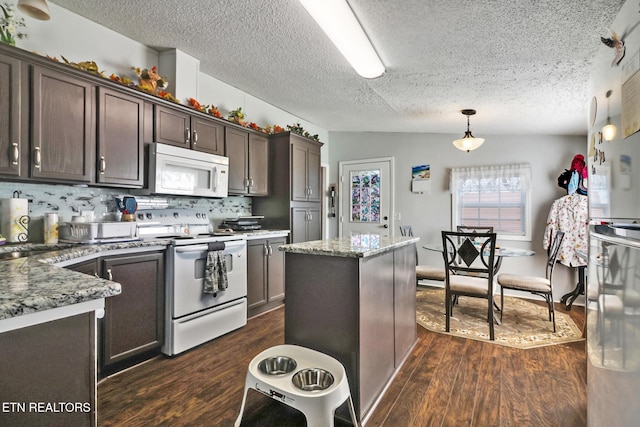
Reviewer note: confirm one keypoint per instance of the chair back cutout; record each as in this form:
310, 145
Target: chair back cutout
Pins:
469, 253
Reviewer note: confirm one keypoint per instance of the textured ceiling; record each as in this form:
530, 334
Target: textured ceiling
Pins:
522, 64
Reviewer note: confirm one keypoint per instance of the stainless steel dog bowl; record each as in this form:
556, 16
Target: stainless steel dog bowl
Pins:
312, 379
277, 365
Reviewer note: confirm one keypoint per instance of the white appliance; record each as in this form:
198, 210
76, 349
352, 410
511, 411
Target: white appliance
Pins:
176, 170
191, 316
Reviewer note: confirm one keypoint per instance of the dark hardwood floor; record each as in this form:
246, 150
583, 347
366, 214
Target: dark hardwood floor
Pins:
446, 381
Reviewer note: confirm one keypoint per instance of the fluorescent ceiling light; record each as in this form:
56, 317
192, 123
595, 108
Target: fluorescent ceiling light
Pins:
337, 20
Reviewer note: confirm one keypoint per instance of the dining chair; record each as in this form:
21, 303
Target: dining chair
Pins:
469, 266
423, 272
475, 228
542, 286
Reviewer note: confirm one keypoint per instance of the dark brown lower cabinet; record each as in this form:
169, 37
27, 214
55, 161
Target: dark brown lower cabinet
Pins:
265, 275
132, 328
306, 223
48, 373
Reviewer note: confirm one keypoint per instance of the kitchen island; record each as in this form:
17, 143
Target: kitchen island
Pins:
354, 299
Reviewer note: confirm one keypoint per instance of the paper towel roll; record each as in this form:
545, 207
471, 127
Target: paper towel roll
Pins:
51, 228
14, 219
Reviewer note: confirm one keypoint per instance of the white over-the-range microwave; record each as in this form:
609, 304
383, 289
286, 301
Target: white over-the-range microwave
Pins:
176, 170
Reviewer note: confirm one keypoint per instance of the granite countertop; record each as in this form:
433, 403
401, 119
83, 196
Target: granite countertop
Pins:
356, 246
33, 284
264, 233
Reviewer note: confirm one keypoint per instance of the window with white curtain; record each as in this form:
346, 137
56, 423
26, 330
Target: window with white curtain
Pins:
498, 196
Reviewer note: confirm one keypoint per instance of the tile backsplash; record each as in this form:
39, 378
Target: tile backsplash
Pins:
68, 200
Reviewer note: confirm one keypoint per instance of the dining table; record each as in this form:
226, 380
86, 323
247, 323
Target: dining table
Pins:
501, 252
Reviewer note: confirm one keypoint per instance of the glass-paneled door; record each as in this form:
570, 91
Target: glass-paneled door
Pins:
366, 197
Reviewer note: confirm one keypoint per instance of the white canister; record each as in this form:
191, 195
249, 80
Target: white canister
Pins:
14, 214
51, 228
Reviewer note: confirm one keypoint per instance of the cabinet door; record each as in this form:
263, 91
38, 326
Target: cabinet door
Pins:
207, 136
258, 165
50, 362
172, 126
314, 177
10, 138
275, 270
120, 139
62, 126
299, 225
299, 188
87, 267
256, 273
236, 142
306, 224
133, 321
314, 224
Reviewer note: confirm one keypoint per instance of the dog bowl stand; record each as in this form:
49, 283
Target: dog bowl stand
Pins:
318, 406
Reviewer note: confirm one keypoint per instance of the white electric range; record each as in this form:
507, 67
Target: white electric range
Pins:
193, 317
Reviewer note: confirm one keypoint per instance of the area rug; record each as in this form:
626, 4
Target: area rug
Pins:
524, 323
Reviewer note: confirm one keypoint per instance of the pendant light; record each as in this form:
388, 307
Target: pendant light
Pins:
468, 142
38, 9
609, 131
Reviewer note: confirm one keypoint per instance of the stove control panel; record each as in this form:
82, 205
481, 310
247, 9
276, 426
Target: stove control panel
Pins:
172, 222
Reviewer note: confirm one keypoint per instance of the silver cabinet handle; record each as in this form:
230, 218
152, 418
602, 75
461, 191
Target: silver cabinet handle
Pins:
270, 251
187, 135
265, 250
310, 191
109, 274
38, 158
103, 165
195, 136
15, 154
250, 182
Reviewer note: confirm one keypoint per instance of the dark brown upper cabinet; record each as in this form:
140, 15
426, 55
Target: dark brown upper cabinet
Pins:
305, 170
62, 126
120, 159
248, 155
179, 128
10, 114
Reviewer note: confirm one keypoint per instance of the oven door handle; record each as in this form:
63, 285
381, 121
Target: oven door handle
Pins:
205, 247
192, 248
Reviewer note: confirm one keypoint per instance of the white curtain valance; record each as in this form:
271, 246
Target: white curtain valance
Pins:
495, 176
